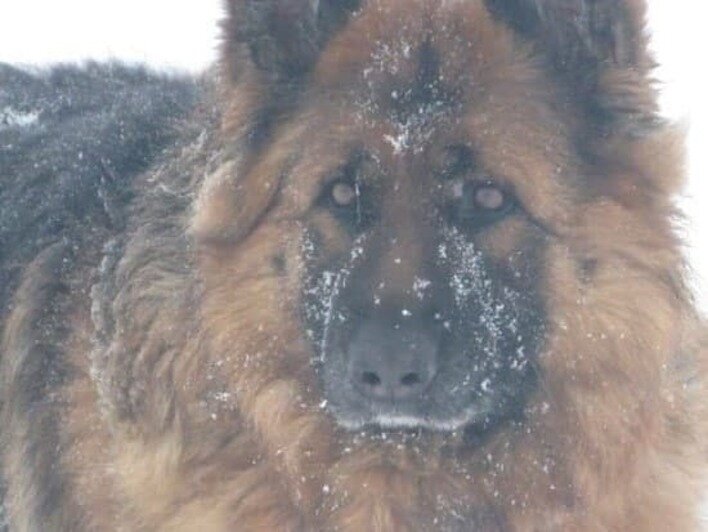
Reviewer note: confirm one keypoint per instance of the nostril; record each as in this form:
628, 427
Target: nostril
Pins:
410, 379
391, 362
370, 378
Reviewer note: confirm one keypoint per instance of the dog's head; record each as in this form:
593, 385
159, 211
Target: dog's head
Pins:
421, 252
446, 171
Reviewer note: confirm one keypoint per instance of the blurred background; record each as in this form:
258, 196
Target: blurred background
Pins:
184, 36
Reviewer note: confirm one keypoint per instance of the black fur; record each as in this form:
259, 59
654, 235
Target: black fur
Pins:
71, 140
576, 32
584, 42
93, 129
284, 38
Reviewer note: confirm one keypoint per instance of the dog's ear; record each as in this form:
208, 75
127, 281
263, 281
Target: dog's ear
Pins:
282, 38
581, 33
599, 47
270, 47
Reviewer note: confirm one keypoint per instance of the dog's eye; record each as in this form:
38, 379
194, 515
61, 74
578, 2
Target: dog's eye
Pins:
488, 197
350, 202
343, 194
476, 204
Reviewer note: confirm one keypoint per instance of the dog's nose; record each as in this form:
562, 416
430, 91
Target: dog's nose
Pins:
395, 361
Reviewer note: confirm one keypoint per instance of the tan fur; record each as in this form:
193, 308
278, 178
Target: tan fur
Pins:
199, 410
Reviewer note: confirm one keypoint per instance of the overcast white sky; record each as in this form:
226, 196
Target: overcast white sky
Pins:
183, 35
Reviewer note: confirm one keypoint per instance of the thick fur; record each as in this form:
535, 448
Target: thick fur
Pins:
72, 140
156, 369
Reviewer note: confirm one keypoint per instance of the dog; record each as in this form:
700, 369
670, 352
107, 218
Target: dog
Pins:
393, 265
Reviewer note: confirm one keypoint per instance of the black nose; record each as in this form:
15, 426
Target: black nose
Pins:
389, 360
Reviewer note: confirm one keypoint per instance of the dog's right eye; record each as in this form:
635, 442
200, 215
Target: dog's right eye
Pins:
343, 194
349, 202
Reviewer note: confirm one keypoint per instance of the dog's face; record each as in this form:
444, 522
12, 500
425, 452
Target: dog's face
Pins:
416, 319
423, 176
422, 183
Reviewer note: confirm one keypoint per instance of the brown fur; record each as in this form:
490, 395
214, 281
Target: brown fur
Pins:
187, 400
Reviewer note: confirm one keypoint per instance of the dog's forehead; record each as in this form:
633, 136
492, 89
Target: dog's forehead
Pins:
410, 73
394, 53
405, 80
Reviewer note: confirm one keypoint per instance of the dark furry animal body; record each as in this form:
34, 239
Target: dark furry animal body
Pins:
71, 142
398, 265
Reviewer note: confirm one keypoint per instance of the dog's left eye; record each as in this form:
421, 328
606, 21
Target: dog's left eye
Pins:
343, 194
487, 197
479, 203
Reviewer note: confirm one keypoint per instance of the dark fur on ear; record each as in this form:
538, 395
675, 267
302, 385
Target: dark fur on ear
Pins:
599, 47
282, 37
588, 33
270, 47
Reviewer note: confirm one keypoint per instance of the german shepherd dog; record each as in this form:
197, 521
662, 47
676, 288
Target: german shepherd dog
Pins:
395, 265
